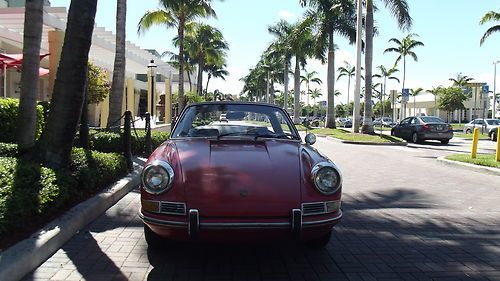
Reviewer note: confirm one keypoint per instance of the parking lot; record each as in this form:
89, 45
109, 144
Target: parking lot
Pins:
406, 217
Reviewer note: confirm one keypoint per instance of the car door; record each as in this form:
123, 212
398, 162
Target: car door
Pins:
401, 130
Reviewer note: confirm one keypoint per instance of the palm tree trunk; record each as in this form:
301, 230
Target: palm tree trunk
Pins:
403, 115
330, 80
117, 87
285, 79
57, 139
199, 85
348, 87
182, 99
208, 80
415, 105
367, 121
26, 128
296, 90
190, 82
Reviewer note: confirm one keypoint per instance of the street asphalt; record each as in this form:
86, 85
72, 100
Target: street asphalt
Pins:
406, 217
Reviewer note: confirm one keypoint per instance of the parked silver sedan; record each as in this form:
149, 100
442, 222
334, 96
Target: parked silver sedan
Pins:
486, 125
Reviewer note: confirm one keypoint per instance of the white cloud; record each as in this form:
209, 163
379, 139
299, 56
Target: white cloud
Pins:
287, 15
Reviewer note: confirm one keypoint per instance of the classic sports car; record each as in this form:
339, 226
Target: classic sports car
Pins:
248, 177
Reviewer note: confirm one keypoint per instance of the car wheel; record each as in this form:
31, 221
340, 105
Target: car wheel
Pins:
445, 141
392, 133
468, 131
415, 138
319, 242
493, 136
153, 239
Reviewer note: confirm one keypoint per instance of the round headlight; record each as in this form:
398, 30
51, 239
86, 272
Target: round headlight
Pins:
326, 177
157, 177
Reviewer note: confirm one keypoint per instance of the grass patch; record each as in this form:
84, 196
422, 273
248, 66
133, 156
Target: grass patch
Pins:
348, 136
469, 136
457, 127
487, 160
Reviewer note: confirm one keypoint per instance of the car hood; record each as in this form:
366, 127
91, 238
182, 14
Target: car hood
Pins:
240, 178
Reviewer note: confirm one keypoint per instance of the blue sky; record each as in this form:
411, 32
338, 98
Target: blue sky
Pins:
449, 29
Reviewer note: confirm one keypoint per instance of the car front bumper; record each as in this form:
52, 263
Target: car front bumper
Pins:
193, 226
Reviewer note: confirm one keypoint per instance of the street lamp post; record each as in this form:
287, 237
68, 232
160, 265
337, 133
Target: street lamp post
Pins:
493, 114
152, 72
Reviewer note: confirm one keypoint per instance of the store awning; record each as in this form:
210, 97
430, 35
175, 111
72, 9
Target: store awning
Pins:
16, 61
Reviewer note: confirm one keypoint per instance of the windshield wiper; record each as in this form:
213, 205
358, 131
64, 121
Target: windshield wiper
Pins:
278, 136
234, 134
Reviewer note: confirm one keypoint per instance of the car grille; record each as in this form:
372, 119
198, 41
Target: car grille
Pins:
173, 208
319, 208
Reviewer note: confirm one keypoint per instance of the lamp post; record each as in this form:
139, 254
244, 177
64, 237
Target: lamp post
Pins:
493, 114
152, 72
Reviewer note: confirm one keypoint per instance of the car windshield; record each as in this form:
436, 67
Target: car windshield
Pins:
387, 119
493, 122
234, 120
432, 119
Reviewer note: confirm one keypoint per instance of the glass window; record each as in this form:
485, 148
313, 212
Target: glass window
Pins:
235, 120
431, 119
415, 121
493, 122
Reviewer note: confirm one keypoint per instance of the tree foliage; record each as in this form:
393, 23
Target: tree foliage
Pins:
98, 84
451, 98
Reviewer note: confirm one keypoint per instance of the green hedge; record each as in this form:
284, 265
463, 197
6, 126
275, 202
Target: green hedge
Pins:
8, 149
112, 142
8, 120
30, 194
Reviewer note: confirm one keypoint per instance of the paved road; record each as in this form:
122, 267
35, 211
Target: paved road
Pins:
407, 217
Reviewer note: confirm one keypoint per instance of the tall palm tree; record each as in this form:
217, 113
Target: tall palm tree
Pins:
400, 10
203, 45
414, 93
118, 84
404, 48
349, 71
308, 78
216, 70
177, 14
461, 80
331, 17
490, 16
316, 93
33, 23
65, 109
435, 92
386, 74
282, 31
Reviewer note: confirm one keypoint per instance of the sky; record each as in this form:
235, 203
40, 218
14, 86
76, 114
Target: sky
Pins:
449, 29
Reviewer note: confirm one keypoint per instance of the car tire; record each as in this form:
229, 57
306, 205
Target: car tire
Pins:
319, 242
493, 136
468, 131
415, 138
153, 239
392, 133
445, 141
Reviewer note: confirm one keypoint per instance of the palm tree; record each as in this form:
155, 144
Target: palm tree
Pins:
489, 16
400, 10
177, 14
308, 78
65, 109
414, 93
349, 71
117, 87
404, 48
33, 23
316, 93
332, 16
281, 48
435, 92
204, 44
216, 70
386, 74
461, 80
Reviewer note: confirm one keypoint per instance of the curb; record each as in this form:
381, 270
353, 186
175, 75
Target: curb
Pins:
468, 166
366, 143
22, 258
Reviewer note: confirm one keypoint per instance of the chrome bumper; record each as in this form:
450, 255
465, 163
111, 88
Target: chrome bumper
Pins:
296, 224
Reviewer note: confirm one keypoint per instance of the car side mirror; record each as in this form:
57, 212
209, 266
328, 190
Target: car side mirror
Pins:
310, 139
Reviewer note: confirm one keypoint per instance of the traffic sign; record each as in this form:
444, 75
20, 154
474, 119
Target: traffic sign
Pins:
405, 92
486, 89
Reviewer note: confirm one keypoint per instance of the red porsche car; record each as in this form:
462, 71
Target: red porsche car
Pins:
245, 176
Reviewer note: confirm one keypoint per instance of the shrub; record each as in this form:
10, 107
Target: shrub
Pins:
31, 194
8, 120
8, 149
112, 142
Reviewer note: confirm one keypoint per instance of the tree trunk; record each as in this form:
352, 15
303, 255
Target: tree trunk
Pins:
271, 97
330, 80
190, 82
84, 119
209, 76
296, 90
285, 79
182, 99
348, 88
368, 113
69, 89
118, 84
199, 85
27, 117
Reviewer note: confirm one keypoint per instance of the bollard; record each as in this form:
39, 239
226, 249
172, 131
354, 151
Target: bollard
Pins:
498, 145
127, 140
148, 146
475, 139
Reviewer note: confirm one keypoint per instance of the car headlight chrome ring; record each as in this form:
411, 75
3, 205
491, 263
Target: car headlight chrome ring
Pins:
326, 177
157, 177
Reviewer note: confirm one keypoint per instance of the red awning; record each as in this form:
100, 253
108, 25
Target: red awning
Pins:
16, 61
